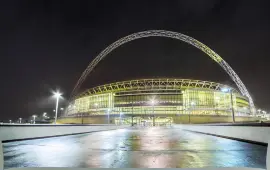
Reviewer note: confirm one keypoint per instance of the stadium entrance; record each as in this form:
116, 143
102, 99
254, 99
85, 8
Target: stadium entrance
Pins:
145, 121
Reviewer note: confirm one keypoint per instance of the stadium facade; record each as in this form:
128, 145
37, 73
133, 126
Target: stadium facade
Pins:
158, 102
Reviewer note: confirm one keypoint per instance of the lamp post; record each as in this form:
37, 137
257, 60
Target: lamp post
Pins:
44, 115
57, 96
231, 95
34, 116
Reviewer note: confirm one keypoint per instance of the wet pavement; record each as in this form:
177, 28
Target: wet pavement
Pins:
137, 148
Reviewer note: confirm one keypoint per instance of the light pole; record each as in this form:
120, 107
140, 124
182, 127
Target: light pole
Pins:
44, 115
20, 120
57, 95
231, 95
34, 116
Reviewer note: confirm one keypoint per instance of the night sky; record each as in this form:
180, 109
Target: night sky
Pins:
46, 45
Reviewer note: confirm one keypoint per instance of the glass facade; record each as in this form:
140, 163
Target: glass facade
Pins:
93, 105
195, 101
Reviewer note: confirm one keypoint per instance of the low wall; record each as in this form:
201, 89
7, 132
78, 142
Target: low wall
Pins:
198, 119
86, 120
177, 119
247, 133
20, 132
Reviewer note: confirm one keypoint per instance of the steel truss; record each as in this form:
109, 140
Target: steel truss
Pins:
152, 84
168, 34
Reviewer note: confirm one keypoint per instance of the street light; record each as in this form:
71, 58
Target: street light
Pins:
34, 116
20, 119
57, 95
225, 90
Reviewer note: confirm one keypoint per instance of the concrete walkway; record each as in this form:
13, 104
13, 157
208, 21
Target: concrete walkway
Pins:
155, 147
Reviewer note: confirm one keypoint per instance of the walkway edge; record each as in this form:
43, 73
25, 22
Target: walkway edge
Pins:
233, 138
43, 137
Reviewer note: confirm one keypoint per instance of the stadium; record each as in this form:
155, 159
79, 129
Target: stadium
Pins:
157, 102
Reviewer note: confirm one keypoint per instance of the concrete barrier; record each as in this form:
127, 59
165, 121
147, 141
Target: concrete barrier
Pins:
247, 133
22, 132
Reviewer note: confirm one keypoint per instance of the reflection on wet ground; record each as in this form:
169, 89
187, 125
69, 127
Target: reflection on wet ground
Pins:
155, 147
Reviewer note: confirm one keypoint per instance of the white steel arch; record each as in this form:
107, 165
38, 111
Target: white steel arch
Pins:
168, 34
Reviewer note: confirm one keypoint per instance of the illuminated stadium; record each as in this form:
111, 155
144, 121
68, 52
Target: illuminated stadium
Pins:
160, 101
